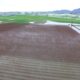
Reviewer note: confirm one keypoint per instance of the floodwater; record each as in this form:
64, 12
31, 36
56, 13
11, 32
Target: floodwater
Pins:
39, 52
45, 42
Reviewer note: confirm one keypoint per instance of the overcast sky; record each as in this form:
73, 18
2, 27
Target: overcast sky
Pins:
38, 5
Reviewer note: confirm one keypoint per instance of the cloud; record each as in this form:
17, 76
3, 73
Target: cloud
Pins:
37, 5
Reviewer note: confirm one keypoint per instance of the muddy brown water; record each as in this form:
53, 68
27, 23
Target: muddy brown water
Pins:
42, 42
39, 52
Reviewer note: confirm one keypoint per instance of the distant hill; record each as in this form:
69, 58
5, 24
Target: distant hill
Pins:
75, 11
62, 11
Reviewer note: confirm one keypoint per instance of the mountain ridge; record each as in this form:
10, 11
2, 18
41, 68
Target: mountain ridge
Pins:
65, 11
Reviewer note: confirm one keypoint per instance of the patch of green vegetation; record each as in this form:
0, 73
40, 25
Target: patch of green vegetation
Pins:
25, 19
22, 19
14, 19
65, 20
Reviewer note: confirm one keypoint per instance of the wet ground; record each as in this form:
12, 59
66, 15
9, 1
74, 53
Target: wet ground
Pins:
39, 52
59, 43
19, 68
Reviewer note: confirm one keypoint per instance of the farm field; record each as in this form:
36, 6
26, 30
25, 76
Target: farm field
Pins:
25, 19
39, 52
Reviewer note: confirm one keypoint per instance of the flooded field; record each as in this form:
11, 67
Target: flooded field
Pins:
39, 52
18, 68
41, 42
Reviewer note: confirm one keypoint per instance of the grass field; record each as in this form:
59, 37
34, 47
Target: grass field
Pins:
22, 19
37, 19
